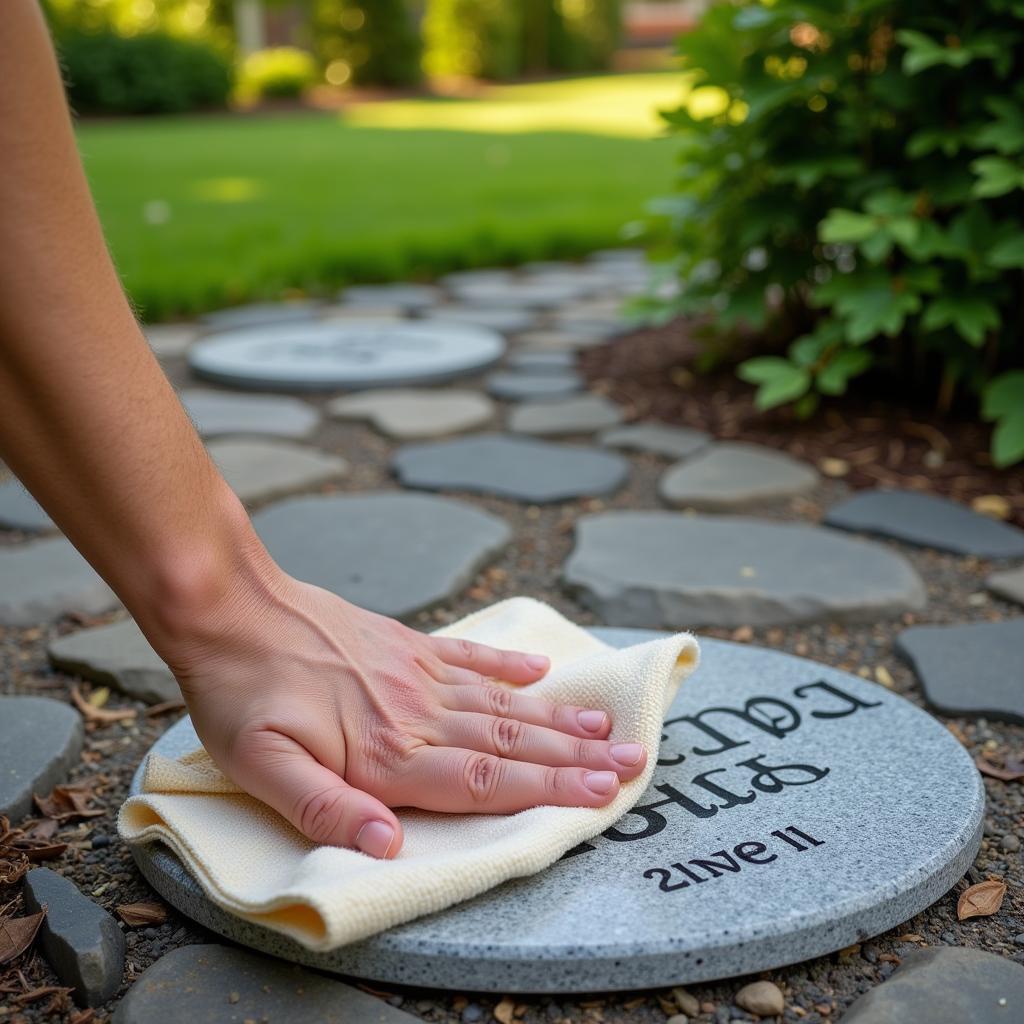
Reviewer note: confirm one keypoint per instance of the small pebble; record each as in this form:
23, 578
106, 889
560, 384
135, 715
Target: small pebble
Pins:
761, 997
678, 1018
686, 1002
472, 1013
100, 841
1010, 843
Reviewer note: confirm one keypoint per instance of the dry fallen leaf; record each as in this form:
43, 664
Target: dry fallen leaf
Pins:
981, 900
994, 505
1012, 770
505, 1011
99, 715
17, 933
13, 867
142, 914
67, 802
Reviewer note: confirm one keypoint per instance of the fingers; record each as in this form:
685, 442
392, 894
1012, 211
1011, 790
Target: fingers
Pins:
511, 666
511, 738
486, 698
467, 781
322, 806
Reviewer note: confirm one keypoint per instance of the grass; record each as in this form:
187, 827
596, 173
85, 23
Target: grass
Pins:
206, 211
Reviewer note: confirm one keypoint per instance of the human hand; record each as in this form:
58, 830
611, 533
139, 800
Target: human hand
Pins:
332, 715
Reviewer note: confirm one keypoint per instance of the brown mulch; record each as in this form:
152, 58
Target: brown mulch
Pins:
883, 443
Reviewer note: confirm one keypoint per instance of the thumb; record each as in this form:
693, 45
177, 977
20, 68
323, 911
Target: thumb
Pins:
320, 804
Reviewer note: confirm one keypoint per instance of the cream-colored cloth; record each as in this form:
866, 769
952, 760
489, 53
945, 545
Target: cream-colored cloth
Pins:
250, 861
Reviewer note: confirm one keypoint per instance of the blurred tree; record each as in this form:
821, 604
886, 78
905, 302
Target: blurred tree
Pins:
584, 34
366, 42
208, 19
474, 38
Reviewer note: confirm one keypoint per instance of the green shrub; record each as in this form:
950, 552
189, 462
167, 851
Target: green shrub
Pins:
150, 73
852, 183
368, 42
474, 38
584, 34
283, 71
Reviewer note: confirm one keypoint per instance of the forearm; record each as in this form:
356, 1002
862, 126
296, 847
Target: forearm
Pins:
89, 422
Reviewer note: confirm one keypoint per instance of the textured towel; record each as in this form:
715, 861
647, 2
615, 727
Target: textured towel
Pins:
250, 861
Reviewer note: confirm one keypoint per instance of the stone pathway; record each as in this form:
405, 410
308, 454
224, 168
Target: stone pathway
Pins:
582, 525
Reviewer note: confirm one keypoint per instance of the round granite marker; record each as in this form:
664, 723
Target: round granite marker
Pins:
796, 810
345, 354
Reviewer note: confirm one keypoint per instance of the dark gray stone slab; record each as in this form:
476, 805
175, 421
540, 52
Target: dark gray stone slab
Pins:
945, 986
578, 414
46, 579
40, 740
975, 669
392, 553
405, 296
510, 467
220, 413
20, 511
732, 476
80, 940
656, 439
211, 984
1009, 584
260, 469
409, 413
891, 803
260, 314
525, 385
541, 361
117, 655
346, 354
665, 569
927, 521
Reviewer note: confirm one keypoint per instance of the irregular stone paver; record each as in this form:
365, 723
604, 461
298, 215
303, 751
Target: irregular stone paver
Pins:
510, 467
170, 340
392, 553
945, 986
211, 984
117, 655
664, 569
259, 314
45, 579
973, 669
20, 511
258, 470
487, 275
507, 321
549, 340
40, 739
223, 412
577, 415
80, 940
730, 476
536, 294
1009, 584
532, 361
378, 314
656, 439
927, 521
517, 386
405, 296
409, 413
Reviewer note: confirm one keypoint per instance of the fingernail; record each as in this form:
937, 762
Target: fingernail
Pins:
592, 721
626, 753
600, 782
376, 837
537, 662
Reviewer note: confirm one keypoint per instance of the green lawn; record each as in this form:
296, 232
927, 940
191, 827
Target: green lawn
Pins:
205, 211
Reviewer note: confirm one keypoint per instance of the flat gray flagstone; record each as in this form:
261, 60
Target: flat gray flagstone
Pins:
40, 740
730, 476
409, 413
211, 984
510, 467
1009, 584
46, 579
945, 986
258, 314
217, 413
666, 569
974, 669
656, 439
378, 314
405, 296
634, 257
581, 414
524, 385
927, 521
258, 469
541, 361
507, 320
562, 340
392, 553
170, 340
794, 810
115, 655
483, 275
20, 511
347, 354
536, 294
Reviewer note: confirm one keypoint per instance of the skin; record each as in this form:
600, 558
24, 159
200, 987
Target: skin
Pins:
330, 714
